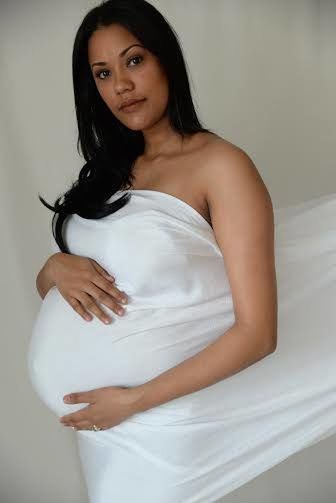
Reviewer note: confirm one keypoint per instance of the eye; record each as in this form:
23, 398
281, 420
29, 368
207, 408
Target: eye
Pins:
135, 57
97, 74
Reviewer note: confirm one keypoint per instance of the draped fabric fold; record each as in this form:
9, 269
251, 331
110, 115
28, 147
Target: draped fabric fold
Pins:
199, 447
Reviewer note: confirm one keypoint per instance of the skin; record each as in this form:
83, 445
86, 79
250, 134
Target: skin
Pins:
221, 182
124, 78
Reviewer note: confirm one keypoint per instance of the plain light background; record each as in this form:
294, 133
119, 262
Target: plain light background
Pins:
263, 76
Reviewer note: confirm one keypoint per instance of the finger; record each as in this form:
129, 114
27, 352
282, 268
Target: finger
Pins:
81, 415
80, 397
90, 302
92, 306
79, 308
84, 303
106, 290
102, 271
73, 419
68, 422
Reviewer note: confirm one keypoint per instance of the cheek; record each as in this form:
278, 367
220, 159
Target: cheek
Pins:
151, 79
162, 90
157, 90
159, 97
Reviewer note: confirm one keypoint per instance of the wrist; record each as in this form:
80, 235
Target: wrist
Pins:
137, 402
49, 266
45, 278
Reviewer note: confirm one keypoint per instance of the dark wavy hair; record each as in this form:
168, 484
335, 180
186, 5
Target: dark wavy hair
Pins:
108, 146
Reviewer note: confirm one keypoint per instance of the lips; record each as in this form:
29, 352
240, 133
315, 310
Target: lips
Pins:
130, 104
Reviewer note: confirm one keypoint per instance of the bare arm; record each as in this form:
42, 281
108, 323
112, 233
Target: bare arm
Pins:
236, 350
242, 217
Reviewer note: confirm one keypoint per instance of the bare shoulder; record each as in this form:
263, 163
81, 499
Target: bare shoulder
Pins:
228, 171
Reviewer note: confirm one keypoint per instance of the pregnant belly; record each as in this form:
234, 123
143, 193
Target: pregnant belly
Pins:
68, 354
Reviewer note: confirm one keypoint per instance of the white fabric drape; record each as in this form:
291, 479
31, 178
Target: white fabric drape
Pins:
201, 446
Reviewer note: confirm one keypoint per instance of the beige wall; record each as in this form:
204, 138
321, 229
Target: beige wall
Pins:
263, 77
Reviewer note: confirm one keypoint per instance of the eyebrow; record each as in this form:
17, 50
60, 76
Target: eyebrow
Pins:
101, 63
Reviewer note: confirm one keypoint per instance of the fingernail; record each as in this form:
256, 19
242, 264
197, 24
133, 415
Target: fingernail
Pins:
123, 298
66, 399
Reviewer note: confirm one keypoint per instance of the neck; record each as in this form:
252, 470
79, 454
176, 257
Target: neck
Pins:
161, 142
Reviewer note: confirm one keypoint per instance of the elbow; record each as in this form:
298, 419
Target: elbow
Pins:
269, 342
267, 338
272, 343
270, 336
272, 348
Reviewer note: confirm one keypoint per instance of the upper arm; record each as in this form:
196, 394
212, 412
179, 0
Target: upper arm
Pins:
242, 218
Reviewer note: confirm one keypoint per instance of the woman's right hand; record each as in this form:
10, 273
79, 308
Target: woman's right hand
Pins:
82, 282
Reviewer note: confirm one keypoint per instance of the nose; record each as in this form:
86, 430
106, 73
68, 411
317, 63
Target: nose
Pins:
122, 83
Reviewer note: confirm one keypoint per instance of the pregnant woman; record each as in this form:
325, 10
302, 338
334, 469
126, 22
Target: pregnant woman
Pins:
222, 363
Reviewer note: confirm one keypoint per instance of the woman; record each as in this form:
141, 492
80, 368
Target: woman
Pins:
199, 386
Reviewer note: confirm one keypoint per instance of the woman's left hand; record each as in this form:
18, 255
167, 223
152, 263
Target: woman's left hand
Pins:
107, 407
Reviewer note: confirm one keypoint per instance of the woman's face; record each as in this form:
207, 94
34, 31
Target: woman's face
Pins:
125, 73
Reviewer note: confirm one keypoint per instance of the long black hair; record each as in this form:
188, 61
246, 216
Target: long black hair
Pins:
108, 146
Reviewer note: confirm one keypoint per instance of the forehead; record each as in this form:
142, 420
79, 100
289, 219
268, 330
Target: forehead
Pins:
108, 42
